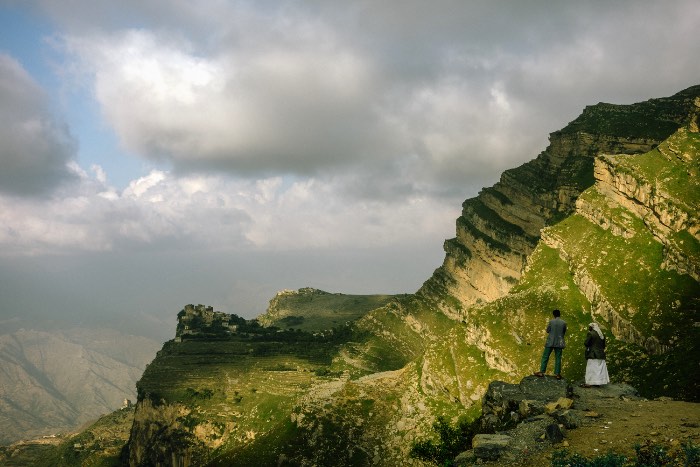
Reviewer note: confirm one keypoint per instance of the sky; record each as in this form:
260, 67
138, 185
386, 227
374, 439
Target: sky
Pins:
156, 153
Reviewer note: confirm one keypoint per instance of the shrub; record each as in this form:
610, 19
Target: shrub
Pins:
692, 454
646, 455
452, 440
651, 455
563, 459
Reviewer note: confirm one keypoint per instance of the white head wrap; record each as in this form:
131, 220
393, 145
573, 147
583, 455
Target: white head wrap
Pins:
596, 328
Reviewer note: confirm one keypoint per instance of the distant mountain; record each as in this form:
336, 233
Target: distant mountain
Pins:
56, 381
603, 224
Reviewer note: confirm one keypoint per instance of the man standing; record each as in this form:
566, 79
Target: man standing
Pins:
556, 328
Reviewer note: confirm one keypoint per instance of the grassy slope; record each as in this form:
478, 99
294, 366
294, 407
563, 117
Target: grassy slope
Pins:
240, 387
99, 445
674, 170
658, 302
314, 310
517, 322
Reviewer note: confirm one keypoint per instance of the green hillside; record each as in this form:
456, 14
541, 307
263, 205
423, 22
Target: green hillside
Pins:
315, 310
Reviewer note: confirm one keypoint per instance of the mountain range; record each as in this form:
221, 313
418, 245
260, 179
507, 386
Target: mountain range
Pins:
54, 381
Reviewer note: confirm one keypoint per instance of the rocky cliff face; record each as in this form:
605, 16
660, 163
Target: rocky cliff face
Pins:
666, 215
500, 228
603, 225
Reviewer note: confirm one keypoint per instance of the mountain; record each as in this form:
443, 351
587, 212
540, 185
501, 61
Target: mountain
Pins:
603, 225
56, 381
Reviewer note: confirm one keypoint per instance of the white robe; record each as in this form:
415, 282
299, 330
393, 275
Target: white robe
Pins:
596, 372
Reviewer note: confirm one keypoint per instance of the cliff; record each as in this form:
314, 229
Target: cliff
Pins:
603, 225
499, 229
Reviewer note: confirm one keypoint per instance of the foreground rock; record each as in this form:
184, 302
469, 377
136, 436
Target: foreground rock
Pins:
540, 415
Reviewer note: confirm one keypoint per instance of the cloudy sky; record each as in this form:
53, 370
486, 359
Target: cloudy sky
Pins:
155, 153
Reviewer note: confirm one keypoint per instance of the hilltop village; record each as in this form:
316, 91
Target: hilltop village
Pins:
201, 320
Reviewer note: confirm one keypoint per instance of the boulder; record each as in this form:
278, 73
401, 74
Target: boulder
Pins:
464, 459
529, 398
490, 447
561, 403
529, 408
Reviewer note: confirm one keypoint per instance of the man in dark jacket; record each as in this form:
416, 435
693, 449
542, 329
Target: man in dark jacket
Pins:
556, 328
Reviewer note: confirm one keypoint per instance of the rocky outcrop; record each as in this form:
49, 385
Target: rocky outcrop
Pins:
278, 308
311, 309
159, 438
620, 327
534, 414
663, 213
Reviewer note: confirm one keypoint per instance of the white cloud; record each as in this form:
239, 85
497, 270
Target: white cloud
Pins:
161, 212
286, 108
442, 96
139, 187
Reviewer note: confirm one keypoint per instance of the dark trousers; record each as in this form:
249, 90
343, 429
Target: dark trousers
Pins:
557, 359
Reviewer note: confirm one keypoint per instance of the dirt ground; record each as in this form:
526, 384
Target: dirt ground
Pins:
618, 423
623, 423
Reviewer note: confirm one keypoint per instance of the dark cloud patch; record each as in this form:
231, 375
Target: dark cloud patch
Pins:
36, 148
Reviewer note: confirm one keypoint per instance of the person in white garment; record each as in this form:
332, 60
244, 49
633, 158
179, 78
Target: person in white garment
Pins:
596, 369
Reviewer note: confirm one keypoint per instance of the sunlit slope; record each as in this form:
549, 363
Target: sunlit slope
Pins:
500, 228
621, 259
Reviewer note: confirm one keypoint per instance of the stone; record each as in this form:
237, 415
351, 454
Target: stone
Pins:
564, 403
561, 403
528, 408
527, 398
568, 418
490, 447
554, 433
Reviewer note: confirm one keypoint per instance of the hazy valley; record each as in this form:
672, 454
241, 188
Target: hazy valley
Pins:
56, 381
